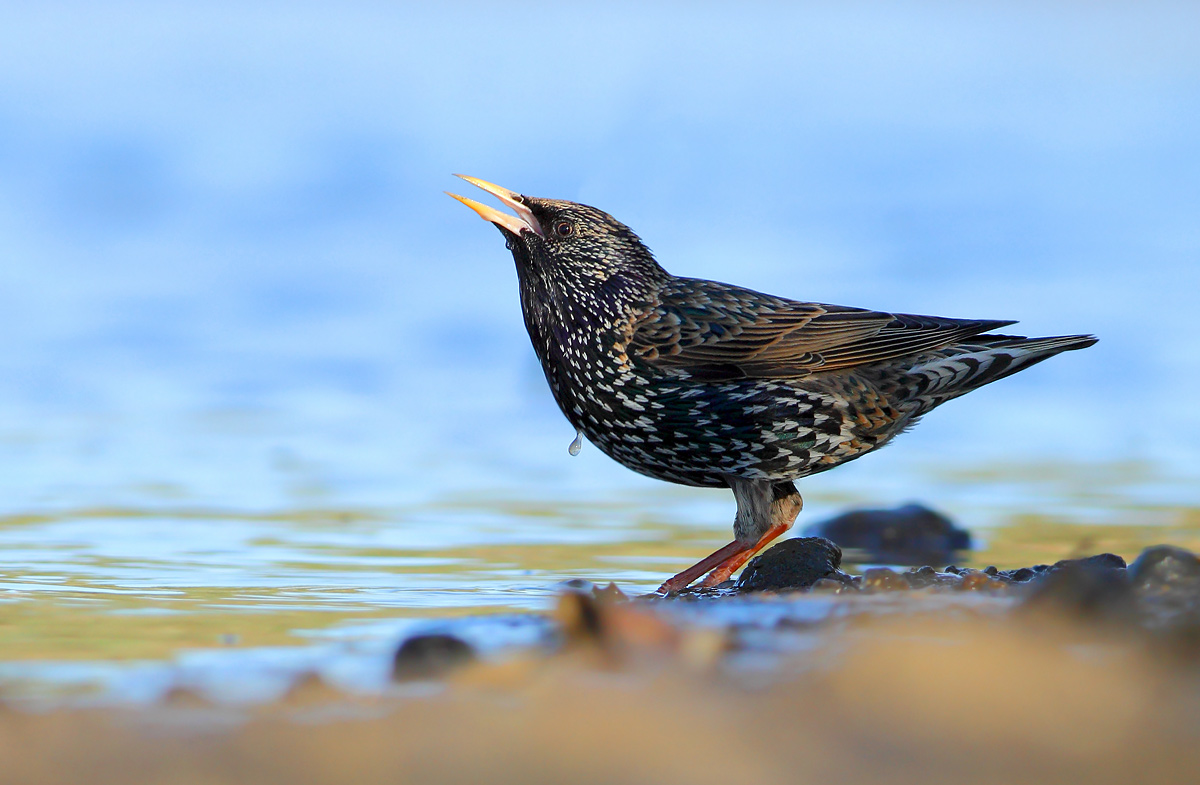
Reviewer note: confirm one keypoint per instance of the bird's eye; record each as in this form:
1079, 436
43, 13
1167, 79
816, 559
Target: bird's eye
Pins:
564, 228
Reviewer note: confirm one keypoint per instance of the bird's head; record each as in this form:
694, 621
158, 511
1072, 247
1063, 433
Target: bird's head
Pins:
564, 244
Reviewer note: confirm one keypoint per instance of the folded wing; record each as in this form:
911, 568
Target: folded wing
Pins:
715, 331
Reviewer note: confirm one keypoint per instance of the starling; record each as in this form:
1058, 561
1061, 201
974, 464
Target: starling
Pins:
712, 385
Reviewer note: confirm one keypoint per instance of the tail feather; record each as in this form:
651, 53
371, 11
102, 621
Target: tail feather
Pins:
955, 370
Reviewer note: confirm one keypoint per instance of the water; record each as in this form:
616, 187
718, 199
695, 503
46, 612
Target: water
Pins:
265, 391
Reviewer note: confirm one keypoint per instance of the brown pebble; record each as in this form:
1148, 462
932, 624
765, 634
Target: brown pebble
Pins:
610, 593
828, 585
615, 627
977, 580
883, 579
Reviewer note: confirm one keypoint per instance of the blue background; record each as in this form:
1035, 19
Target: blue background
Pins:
228, 275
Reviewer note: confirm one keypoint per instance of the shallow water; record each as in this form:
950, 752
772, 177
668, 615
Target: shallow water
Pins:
266, 404
125, 604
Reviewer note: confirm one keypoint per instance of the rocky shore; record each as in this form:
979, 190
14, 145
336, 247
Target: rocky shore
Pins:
804, 670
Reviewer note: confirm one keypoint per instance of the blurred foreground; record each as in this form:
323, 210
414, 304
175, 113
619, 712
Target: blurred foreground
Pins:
1066, 682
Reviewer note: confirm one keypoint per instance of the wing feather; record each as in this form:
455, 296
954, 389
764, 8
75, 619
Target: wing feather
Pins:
715, 331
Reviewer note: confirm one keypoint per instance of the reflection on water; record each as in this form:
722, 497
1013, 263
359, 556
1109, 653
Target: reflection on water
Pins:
135, 602
265, 392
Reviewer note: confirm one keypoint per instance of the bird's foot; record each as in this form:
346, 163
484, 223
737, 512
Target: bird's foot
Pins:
721, 565
785, 505
725, 570
684, 579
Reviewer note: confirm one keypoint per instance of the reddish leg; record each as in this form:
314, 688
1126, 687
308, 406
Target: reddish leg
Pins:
683, 579
735, 562
782, 512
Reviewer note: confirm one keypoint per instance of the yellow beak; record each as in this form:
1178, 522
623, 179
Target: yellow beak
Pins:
523, 219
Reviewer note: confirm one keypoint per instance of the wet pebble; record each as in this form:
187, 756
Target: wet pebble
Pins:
927, 578
793, 564
611, 631
1104, 561
1165, 568
1166, 579
883, 579
922, 577
978, 580
1085, 591
430, 657
610, 593
1021, 575
580, 616
908, 535
831, 586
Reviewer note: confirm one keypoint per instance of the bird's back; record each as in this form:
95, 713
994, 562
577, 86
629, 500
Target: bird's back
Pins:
713, 380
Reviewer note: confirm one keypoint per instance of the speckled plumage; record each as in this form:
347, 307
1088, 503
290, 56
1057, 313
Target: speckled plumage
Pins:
707, 384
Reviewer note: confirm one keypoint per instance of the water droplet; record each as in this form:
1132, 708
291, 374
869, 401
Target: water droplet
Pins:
577, 443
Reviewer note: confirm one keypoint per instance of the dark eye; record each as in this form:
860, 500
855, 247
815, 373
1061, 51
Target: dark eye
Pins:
564, 228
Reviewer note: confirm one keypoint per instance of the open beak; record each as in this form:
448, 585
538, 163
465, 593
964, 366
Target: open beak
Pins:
514, 223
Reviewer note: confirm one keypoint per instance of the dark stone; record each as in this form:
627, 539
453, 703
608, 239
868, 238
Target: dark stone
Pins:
921, 577
793, 564
909, 535
1109, 561
610, 593
927, 577
1020, 575
991, 570
430, 657
1167, 581
1084, 590
1164, 568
